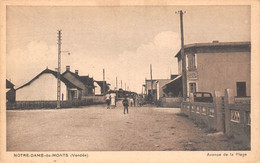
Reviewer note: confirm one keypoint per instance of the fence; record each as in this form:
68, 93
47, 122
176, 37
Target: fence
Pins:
238, 113
88, 100
229, 114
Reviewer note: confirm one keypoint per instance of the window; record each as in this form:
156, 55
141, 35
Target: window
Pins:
241, 89
192, 87
191, 62
207, 95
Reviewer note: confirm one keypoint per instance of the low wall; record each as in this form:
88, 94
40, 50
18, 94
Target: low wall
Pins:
230, 114
87, 100
238, 116
201, 113
171, 102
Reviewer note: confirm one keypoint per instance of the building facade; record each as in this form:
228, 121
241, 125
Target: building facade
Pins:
159, 87
217, 66
10, 92
84, 82
43, 87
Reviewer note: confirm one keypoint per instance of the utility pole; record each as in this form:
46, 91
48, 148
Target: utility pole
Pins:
151, 82
116, 84
59, 67
116, 89
183, 57
104, 85
121, 85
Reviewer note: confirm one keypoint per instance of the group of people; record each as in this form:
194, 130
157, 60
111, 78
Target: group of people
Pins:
111, 100
127, 101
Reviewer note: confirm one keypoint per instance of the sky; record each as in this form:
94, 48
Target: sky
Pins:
122, 40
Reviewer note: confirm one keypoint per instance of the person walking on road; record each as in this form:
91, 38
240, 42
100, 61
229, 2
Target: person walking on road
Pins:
113, 100
108, 99
125, 104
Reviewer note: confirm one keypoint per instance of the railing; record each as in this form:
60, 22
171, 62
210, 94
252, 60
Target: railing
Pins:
238, 112
229, 114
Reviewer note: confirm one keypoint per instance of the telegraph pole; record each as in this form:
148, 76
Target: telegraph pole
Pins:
116, 83
151, 82
183, 57
104, 85
59, 67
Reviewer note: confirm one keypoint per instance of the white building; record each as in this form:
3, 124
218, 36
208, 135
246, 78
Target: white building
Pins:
43, 87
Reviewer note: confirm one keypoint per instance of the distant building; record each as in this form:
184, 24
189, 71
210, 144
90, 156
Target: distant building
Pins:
99, 87
215, 66
159, 83
150, 86
10, 92
84, 82
43, 87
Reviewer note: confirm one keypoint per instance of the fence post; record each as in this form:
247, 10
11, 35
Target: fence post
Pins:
228, 99
218, 111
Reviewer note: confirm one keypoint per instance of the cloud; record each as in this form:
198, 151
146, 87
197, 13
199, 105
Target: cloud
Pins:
24, 64
132, 67
159, 52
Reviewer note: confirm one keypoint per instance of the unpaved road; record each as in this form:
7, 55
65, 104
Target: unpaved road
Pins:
95, 128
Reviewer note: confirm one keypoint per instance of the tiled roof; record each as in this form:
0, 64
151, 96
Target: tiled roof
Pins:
86, 80
64, 80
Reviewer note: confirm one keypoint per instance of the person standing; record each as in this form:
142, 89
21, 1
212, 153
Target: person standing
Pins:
125, 104
131, 101
113, 100
108, 100
134, 100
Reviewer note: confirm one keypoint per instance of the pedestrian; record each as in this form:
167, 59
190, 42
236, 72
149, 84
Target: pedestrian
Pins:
125, 104
140, 100
113, 100
134, 99
131, 101
108, 99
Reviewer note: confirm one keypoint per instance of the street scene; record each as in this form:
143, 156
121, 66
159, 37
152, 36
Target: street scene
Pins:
128, 78
96, 128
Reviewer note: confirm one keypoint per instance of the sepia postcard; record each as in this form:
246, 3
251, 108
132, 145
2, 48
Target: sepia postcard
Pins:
129, 81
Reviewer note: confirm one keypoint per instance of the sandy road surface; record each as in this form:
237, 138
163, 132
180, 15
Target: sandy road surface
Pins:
95, 128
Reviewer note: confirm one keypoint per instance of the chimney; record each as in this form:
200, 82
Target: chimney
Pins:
215, 41
77, 72
67, 68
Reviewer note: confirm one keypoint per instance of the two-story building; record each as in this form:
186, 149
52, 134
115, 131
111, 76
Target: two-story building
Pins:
215, 66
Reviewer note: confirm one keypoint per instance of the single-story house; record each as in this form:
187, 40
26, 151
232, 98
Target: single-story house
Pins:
43, 87
84, 82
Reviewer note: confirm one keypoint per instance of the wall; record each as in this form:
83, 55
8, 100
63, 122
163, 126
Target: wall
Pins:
171, 102
159, 84
97, 89
43, 88
231, 116
218, 71
90, 100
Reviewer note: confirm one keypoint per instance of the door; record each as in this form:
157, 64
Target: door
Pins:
241, 89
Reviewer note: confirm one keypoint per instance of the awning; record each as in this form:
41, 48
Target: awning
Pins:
174, 87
